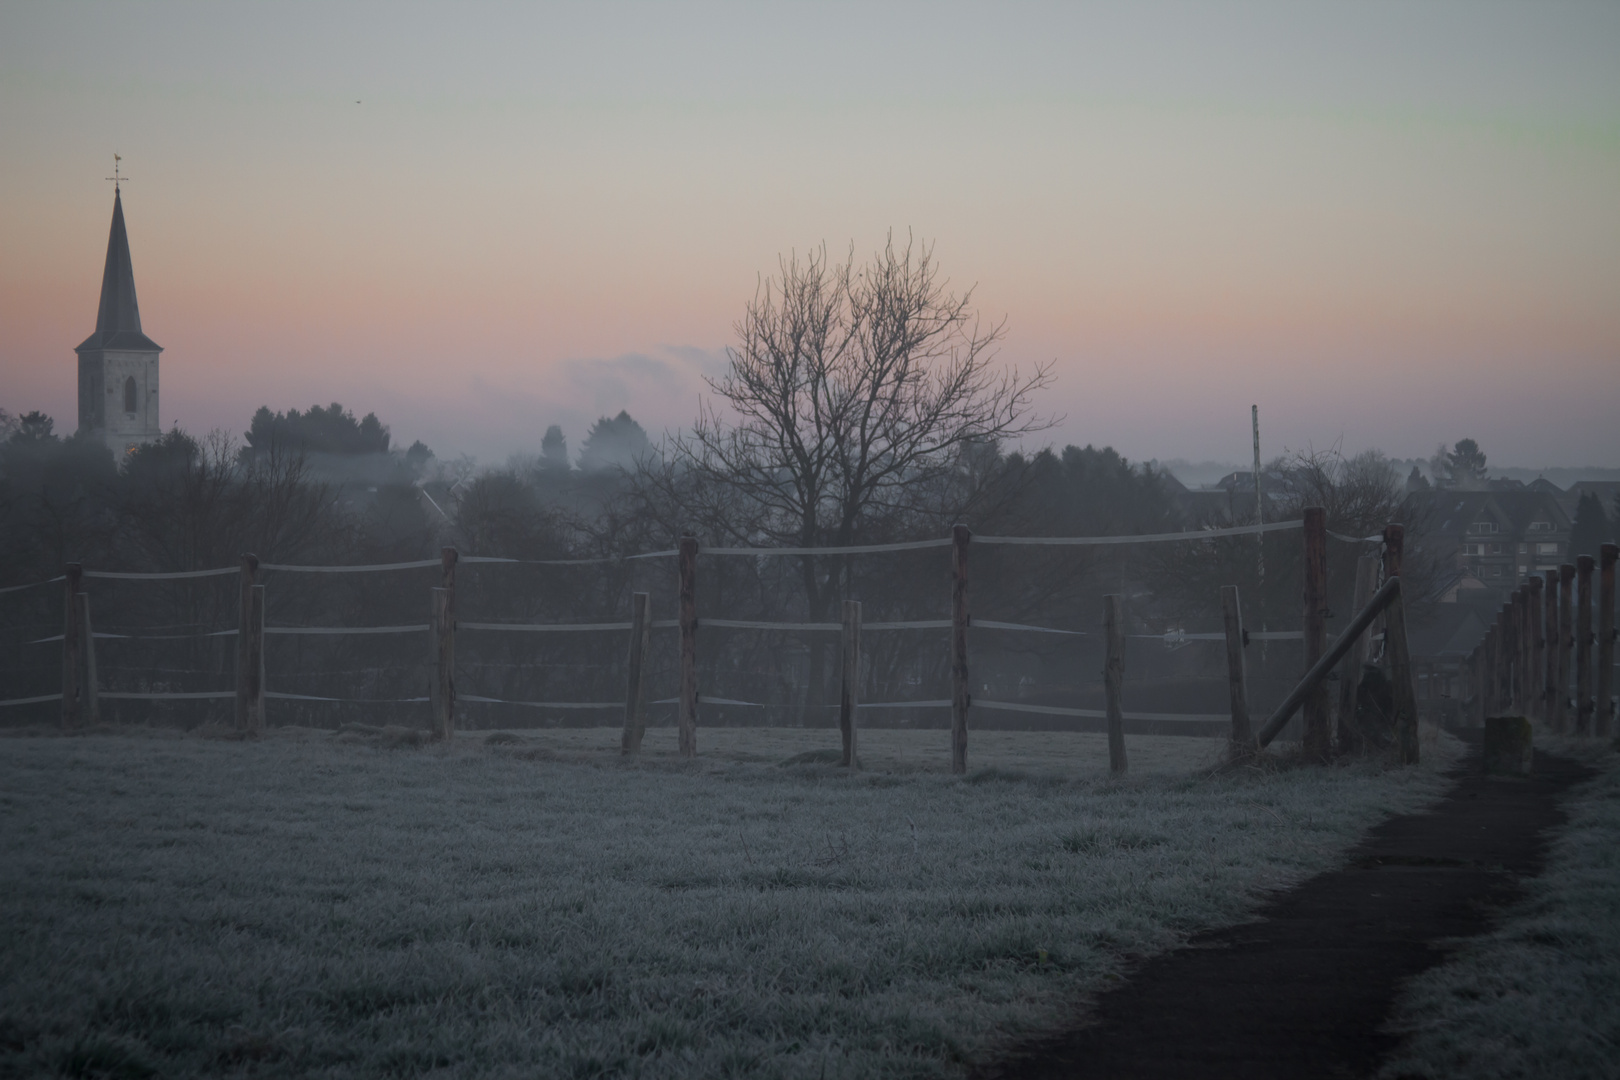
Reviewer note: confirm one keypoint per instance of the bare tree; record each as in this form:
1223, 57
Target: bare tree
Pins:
1361, 494
856, 395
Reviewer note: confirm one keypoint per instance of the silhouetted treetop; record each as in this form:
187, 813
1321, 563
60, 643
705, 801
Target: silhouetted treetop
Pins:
554, 450
1466, 464
332, 430
616, 443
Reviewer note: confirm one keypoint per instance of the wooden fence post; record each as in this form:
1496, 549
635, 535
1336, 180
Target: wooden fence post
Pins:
1394, 549
1566, 643
71, 640
1476, 680
849, 686
1402, 690
448, 557
1521, 651
1114, 680
1603, 724
444, 665
1320, 670
1535, 628
1527, 652
87, 637
1356, 659
1237, 690
1504, 616
255, 661
635, 688
1583, 645
1549, 635
688, 623
1510, 644
1510, 661
433, 660
1487, 692
961, 690
1318, 738
244, 605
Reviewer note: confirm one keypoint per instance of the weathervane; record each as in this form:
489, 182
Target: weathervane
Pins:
115, 177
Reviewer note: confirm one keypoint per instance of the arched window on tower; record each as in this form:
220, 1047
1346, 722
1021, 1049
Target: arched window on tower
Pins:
129, 394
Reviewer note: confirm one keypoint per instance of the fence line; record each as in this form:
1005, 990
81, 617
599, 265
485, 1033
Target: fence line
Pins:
36, 700
250, 694
849, 549
351, 701
121, 575
414, 628
166, 695
1146, 538
1100, 714
542, 627
33, 584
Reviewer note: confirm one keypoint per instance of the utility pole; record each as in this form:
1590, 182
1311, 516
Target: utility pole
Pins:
1260, 538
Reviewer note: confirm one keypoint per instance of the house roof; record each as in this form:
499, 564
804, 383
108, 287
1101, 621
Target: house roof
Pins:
1452, 512
1523, 507
118, 319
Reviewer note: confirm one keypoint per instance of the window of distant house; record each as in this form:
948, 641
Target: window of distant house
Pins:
1482, 527
1541, 526
129, 394
1546, 549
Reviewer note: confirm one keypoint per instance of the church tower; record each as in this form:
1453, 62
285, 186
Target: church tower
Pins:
118, 365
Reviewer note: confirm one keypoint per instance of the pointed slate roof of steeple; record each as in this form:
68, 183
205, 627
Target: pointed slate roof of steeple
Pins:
118, 322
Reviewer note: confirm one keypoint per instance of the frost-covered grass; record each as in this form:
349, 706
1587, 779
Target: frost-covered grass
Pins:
522, 906
1540, 995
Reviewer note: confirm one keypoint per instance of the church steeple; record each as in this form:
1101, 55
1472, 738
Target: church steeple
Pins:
118, 364
118, 320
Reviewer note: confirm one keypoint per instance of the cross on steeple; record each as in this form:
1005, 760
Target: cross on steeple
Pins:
117, 180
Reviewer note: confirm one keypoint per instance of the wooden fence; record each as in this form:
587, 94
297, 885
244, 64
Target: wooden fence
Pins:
1379, 617
1543, 658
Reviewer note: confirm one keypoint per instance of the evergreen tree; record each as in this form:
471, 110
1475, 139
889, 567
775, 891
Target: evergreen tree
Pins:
554, 450
616, 443
1590, 529
417, 457
1465, 464
332, 430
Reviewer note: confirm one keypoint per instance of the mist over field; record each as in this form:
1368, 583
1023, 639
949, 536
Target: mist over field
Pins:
979, 541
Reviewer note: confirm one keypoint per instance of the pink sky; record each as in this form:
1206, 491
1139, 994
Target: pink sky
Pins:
1389, 235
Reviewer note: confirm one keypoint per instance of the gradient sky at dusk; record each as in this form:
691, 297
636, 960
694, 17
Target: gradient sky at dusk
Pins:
1389, 225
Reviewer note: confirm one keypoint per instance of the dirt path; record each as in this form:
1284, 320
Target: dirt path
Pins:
1303, 992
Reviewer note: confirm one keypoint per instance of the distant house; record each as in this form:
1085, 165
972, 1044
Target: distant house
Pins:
1491, 540
1171, 482
1244, 481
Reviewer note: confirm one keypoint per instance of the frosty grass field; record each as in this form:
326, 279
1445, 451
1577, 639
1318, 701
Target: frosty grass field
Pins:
527, 904
1539, 996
